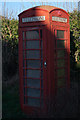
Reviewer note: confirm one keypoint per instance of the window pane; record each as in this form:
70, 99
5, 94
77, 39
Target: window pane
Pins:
60, 72
61, 82
33, 102
60, 62
41, 63
33, 83
42, 98
33, 54
32, 44
23, 35
60, 43
41, 44
60, 34
33, 63
23, 63
23, 44
23, 73
23, 54
32, 34
40, 33
61, 53
42, 83
33, 73
24, 90
24, 81
33, 92
41, 54
41, 74
24, 100
42, 94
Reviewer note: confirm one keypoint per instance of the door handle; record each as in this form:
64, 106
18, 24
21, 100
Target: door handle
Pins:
45, 64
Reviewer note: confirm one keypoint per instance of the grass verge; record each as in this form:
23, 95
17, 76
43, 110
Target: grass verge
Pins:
11, 104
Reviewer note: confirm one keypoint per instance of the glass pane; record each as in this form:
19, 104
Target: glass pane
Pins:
23, 63
61, 53
33, 92
40, 33
60, 62
42, 94
41, 44
33, 73
60, 72
23, 35
33, 54
60, 34
33, 63
60, 43
23, 44
41, 74
41, 54
23, 73
32, 34
24, 91
23, 54
61, 82
24, 81
32, 44
24, 101
33, 102
42, 98
41, 63
42, 83
33, 83
42, 102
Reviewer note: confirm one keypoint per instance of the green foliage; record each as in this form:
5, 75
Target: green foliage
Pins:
72, 51
9, 29
75, 33
9, 33
74, 26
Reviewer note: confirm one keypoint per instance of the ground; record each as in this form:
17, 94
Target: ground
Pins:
66, 103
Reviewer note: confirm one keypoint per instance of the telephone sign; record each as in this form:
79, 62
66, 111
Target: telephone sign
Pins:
59, 19
32, 19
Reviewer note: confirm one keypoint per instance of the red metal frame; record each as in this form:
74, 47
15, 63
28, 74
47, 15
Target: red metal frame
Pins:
49, 37
21, 58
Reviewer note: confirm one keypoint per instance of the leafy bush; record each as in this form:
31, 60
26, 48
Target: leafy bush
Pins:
9, 46
74, 36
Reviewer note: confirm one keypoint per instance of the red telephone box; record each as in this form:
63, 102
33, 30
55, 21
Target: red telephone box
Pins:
44, 56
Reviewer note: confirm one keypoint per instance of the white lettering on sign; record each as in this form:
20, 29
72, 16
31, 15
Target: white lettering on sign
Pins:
33, 19
59, 19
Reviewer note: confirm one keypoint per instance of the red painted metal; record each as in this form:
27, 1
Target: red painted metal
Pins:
49, 38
